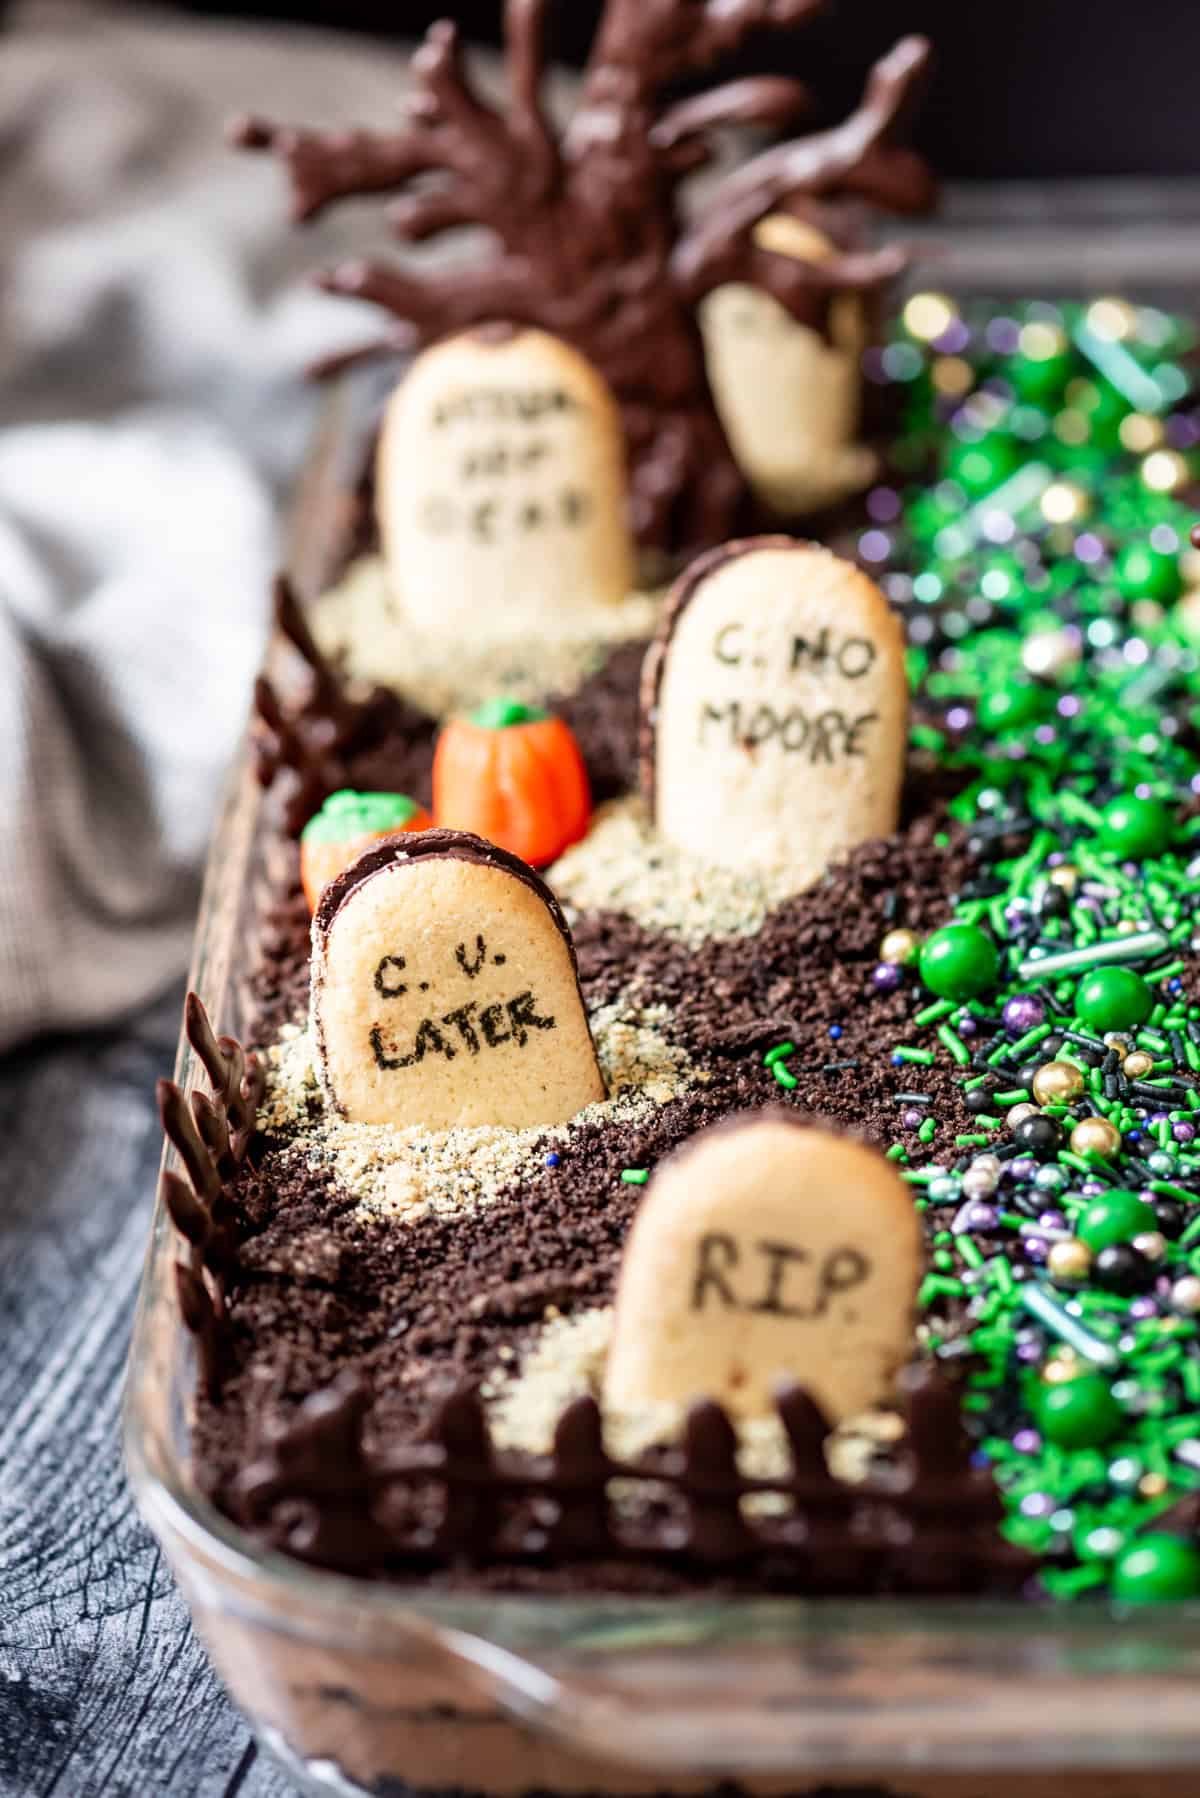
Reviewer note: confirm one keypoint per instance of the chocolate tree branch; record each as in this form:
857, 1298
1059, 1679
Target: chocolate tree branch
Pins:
524, 36
324, 166
437, 305
428, 212
656, 41
758, 100
825, 164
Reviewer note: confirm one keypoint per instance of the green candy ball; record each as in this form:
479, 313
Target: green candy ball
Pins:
1010, 706
1078, 1413
1116, 1217
959, 961
1135, 828
1141, 572
1040, 377
980, 467
1113, 999
1156, 1566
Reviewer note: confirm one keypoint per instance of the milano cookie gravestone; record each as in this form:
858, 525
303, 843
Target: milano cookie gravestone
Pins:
444, 990
787, 395
501, 486
764, 1250
774, 707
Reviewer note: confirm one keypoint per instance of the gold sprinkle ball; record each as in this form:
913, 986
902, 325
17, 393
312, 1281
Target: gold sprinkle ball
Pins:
1058, 1083
1019, 1112
1139, 432
1070, 1260
1095, 1136
1152, 1244
901, 947
1164, 471
1066, 876
1062, 1368
1113, 320
1063, 502
928, 316
1185, 1295
1137, 1064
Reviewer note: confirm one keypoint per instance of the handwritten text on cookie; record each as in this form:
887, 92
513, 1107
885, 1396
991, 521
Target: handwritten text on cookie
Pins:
465, 1029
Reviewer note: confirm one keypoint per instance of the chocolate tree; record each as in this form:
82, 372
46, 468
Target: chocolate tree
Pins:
590, 240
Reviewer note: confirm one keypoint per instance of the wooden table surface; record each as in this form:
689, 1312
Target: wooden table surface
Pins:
103, 1687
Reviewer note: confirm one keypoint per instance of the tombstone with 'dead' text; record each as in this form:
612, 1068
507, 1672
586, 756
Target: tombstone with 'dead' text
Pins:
766, 1250
445, 992
501, 488
774, 709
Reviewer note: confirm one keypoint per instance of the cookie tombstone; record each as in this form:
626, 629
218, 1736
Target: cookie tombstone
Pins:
766, 1250
501, 488
444, 990
774, 709
789, 395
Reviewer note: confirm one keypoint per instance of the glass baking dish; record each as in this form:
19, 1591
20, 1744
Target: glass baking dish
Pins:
370, 1687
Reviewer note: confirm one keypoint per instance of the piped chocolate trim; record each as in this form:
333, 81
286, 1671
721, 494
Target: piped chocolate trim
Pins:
316, 1491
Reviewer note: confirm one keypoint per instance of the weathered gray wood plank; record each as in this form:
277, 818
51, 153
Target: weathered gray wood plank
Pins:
104, 1690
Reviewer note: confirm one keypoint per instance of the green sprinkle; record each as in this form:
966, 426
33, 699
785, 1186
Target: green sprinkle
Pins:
1030, 1040
789, 1081
936, 1286
635, 1176
924, 1057
951, 1040
928, 1130
777, 1053
941, 1008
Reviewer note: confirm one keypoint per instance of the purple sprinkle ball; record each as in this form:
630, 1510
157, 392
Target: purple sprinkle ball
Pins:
1027, 1442
1023, 1012
1183, 1131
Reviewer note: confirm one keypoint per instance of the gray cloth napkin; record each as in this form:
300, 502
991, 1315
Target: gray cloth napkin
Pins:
153, 330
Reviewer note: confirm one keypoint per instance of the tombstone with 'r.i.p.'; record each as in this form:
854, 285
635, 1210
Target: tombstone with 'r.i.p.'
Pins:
766, 1249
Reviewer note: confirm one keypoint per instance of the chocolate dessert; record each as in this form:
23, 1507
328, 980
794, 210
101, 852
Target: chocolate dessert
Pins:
969, 942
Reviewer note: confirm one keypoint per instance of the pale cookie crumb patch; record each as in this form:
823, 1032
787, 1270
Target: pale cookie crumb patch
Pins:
567, 1362
398, 1173
360, 623
624, 865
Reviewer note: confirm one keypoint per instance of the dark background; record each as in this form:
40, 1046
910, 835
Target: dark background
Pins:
1027, 88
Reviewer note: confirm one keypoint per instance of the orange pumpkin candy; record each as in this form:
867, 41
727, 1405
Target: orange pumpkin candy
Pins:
514, 776
346, 823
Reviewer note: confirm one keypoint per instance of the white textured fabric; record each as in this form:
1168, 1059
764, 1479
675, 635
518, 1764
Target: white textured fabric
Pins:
152, 413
